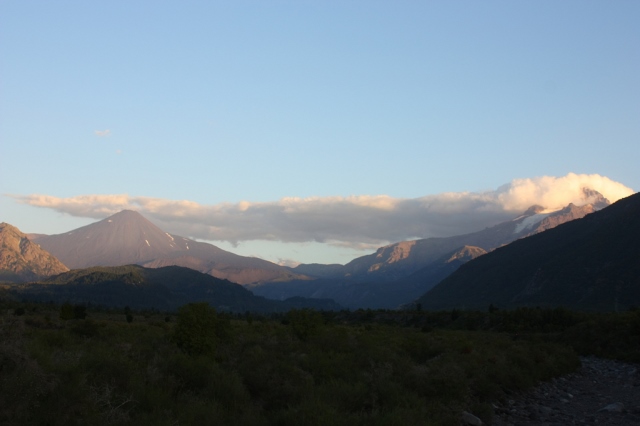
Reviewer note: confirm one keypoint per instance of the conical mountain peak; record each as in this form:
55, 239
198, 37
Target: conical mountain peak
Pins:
127, 237
126, 216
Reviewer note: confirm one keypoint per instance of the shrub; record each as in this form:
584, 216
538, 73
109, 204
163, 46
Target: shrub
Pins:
86, 328
196, 329
66, 311
79, 312
304, 323
69, 311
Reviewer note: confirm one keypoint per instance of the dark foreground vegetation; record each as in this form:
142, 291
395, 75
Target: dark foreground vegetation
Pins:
64, 365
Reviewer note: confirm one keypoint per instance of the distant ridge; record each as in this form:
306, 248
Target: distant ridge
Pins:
591, 263
376, 295
22, 260
129, 238
399, 273
399, 260
164, 289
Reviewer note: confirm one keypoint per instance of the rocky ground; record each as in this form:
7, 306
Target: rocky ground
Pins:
602, 392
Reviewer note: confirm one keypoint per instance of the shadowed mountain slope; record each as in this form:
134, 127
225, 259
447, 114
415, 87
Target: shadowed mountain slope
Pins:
399, 260
128, 238
22, 260
164, 288
592, 263
375, 295
399, 273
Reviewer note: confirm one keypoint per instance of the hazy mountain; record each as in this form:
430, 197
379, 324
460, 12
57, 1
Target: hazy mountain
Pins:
164, 289
128, 238
423, 280
376, 295
398, 273
399, 260
22, 260
592, 263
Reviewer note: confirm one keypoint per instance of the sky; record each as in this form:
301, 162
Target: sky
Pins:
313, 131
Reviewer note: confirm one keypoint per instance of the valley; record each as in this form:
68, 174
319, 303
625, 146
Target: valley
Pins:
390, 278
478, 329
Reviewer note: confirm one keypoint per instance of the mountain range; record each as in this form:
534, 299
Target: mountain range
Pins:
394, 275
589, 264
164, 289
399, 273
129, 238
377, 294
401, 259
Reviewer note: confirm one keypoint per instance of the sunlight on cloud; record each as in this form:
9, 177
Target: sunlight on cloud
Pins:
554, 193
102, 133
357, 222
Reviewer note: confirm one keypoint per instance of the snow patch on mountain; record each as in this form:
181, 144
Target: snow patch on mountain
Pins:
529, 222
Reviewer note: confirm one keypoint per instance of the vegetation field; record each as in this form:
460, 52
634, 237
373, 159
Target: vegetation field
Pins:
63, 365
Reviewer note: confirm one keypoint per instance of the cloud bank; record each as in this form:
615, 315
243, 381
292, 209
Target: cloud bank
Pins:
354, 221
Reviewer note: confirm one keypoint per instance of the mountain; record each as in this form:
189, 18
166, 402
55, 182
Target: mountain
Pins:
375, 295
428, 277
22, 260
164, 289
399, 273
129, 238
591, 263
395, 261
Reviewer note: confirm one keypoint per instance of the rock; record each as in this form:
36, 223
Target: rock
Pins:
23, 260
470, 419
574, 398
545, 410
616, 407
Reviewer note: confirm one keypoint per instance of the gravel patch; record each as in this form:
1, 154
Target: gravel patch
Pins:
601, 392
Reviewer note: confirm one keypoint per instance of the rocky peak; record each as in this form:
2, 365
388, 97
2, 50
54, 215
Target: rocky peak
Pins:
535, 209
23, 260
396, 252
596, 199
466, 253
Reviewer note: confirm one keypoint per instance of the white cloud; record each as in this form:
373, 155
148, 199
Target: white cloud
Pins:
287, 262
102, 133
354, 221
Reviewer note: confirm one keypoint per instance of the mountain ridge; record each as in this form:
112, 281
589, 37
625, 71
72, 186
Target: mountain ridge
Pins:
397, 274
374, 295
128, 237
165, 289
22, 260
590, 263
398, 260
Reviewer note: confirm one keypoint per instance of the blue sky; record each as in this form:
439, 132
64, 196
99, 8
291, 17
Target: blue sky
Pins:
232, 106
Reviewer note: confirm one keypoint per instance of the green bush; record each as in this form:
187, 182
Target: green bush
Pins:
196, 329
66, 311
304, 323
69, 311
